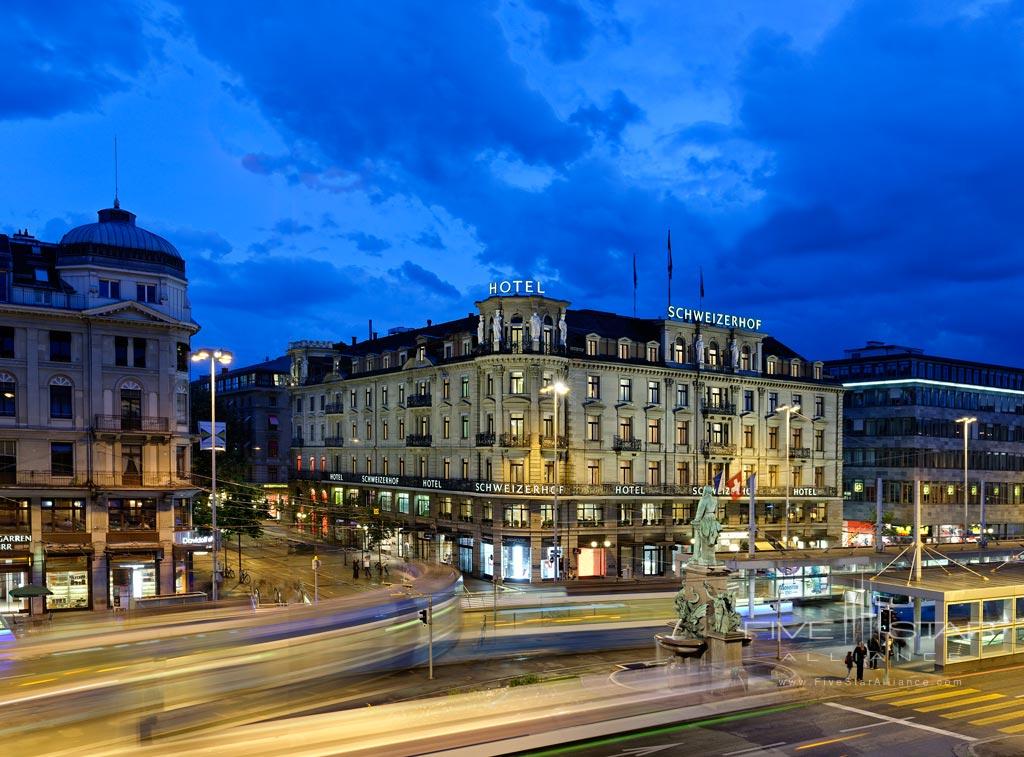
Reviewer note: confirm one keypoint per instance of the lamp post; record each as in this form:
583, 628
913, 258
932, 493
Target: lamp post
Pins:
558, 389
214, 355
967, 421
788, 410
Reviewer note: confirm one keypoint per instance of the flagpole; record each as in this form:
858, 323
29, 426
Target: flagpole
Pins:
634, 285
668, 303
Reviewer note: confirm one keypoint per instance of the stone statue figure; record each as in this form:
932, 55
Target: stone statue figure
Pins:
563, 330
705, 529
691, 611
724, 618
734, 354
535, 329
497, 329
480, 330
698, 349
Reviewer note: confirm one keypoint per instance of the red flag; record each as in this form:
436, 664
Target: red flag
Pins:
735, 485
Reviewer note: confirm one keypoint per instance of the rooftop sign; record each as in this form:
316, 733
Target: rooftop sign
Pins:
709, 318
515, 287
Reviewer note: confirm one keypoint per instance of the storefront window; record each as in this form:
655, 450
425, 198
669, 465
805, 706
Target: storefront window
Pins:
132, 514
592, 561
423, 505
12, 579
466, 554
132, 578
960, 646
403, 502
515, 560
487, 558
63, 515
547, 563
996, 611
651, 512
996, 641
962, 613
652, 561
182, 514
384, 499
68, 579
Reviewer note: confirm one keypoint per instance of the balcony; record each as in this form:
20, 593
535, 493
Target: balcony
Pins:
549, 442
625, 444
334, 441
718, 408
131, 423
418, 400
419, 440
514, 440
799, 452
334, 408
724, 450
33, 478
485, 440
297, 441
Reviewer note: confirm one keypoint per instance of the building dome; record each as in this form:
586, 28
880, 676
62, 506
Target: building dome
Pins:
116, 237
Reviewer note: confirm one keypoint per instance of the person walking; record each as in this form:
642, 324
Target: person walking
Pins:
874, 649
355, 570
860, 652
849, 665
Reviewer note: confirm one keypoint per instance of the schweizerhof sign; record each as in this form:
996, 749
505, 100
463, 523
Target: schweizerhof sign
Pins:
709, 318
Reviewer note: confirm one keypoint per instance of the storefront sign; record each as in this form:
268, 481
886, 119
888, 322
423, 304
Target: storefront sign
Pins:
709, 318
197, 539
515, 286
7, 541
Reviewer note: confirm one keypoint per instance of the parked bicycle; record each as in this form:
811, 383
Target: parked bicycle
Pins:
244, 577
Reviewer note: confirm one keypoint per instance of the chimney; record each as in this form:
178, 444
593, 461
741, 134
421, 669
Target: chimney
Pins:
374, 335
369, 329
353, 341
430, 322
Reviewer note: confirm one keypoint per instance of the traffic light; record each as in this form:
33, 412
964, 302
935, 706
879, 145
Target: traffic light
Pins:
885, 620
423, 617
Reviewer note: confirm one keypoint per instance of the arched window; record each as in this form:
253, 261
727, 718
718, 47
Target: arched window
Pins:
8, 393
745, 358
795, 369
679, 350
515, 329
131, 406
61, 397
713, 353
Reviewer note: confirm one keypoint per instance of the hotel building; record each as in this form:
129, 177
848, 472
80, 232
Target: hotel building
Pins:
94, 442
450, 432
902, 423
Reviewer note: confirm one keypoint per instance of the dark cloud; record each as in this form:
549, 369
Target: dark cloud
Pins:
191, 241
568, 29
291, 227
368, 243
611, 121
430, 239
425, 280
68, 59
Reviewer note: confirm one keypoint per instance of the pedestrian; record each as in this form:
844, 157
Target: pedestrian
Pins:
860, 652
849, 664
366, 566
355, 570
874, 649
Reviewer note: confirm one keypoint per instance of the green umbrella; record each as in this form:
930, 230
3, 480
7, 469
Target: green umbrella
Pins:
29, 590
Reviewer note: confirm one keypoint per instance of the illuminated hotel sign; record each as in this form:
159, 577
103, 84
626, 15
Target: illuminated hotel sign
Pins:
515, 287
7, 541
708, 318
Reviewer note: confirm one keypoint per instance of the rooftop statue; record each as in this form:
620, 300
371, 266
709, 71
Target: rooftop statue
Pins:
705, 529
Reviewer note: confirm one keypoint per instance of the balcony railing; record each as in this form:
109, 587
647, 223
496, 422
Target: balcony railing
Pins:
514, 440
97, 480
710, 448
799, 451
297, 441
418, 400
549, 442
485, 440
419, 440
626, 444
718, 408
334, 408
132, 423
334, 441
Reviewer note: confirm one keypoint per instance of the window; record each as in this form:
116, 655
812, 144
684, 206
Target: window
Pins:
626, 428
298, 404
591, 347
490, 385
352, 399
682, 474
593, 387
819, 440
682, 433
367, 398
423, 505
682, 395
624, 350
593, 428
516, 516
383, 396
8, 463
773, 475
7, 341
60, 397
679, 351
748, 401
446, 468
798, 401
110, 289
63, 515
465, 467
401, 394
654, 431
652, 353
446, 424
626, 472
121, 351
745, 358
14, 513
625, 390
145, 292
653, 393
8, 394
650, 513
625, 515
516, 382
773, 401
60, 346
131, 464
138, 352
132, 514
465, 387
446, 389
654, 473
819, 407
773, 437
62, 459
516, 472
182, 357
465, 426
593, 471
748, 437
588, 514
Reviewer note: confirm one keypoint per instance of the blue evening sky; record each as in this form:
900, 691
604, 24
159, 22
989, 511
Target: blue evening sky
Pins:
842, 170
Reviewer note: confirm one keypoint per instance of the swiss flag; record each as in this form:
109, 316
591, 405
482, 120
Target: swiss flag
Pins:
735, 485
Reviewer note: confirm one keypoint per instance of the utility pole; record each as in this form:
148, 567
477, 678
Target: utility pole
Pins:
316, 579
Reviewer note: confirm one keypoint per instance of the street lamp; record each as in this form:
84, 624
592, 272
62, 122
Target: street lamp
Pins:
214, 355
558, 389
788, 410
967, 422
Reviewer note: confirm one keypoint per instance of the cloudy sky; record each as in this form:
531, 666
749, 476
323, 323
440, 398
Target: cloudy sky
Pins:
843, 170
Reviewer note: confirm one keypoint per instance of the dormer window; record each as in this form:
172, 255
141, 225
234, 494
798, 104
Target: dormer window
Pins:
421, 352
386, 361
745, 358
591, 346
652, 353
402, 357
714, 354
794, 368
624, 350
772, 366
679, 350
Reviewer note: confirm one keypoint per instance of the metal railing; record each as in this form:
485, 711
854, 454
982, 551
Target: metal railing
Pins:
548, 442
418, 400
514, 440
418, 440
709, 448
334, 441
718, 408
485, 440
131, 423
334, 408
96, 480
799, 451
628, 444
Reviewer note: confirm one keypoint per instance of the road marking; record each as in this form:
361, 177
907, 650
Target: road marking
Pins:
754, 749
39, 680
904, 721
905, 691
829, 741
871, 725
959, 702
931, 697
979, 710
999, 718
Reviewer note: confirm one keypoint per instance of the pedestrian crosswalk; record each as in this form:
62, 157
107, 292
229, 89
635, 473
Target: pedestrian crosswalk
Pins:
979, 708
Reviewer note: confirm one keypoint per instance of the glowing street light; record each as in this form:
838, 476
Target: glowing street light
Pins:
215, 356
558, 389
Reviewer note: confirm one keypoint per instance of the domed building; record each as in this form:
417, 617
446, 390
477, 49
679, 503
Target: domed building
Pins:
94, 438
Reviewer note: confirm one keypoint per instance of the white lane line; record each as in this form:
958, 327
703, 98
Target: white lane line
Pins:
754, 749
922, 726
871, 725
